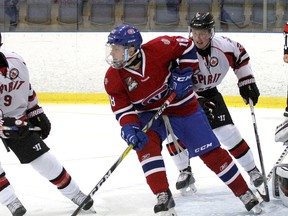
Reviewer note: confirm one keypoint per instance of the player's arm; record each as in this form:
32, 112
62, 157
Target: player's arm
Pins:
239, 61
36, 114
124, 111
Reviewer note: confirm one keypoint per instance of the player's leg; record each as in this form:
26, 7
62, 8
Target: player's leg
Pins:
180, 156
221, 163
231, 138
8, 197
32, 150
202, 142
153, 165
49, 167
155, 173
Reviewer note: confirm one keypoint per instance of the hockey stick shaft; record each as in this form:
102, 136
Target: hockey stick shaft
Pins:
124, 154
265, 197
16, 128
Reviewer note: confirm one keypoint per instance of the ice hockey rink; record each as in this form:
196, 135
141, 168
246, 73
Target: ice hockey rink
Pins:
86, 139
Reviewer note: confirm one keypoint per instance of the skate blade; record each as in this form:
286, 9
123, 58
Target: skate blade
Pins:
188, 191
256, 210
170, 212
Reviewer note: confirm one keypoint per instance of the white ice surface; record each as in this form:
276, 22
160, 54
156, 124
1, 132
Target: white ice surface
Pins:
86, 139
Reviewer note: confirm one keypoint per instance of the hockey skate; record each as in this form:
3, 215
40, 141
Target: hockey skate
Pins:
185, 182
80, 197
165, 204
251, 202
16, 208
256, 178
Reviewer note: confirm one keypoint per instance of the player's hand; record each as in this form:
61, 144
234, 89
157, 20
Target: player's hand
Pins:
248, 89
208, 107
132, 134
38, 118
15, 128
181, 82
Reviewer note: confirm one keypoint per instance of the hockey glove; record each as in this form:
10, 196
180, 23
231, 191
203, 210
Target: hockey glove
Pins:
181, 82
18, 129
132, 134
248, 89
38, 118
208, 107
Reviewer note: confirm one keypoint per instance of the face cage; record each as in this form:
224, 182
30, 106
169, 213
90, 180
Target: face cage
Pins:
116, 63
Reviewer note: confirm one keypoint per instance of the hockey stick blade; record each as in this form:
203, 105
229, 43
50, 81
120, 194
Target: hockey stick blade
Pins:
124, 154
265, 196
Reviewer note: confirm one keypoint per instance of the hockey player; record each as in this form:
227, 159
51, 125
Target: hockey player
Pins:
285, 58
216, 54
19, 111
138, 82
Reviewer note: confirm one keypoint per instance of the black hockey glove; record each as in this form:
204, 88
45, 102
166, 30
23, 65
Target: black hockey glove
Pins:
38, 118
15, 128
208, 106
248, 89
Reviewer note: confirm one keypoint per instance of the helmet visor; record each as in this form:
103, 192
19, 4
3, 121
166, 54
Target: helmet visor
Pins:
116, 55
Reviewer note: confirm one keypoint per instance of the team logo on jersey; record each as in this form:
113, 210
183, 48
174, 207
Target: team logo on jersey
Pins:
165, 41
214, 61
13, 73
131, 83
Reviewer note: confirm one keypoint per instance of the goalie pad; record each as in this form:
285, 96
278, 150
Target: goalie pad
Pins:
280, 183
281, 132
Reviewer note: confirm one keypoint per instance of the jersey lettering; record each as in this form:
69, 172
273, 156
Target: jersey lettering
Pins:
10, 86
112, 101
206, 80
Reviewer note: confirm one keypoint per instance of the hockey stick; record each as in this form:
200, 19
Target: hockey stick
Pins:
124, 154
265, 196
16, 128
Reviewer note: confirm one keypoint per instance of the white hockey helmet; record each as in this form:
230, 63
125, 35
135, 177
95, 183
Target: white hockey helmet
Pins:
281, 182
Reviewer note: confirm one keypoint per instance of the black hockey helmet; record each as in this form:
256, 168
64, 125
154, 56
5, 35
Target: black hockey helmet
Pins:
202, 21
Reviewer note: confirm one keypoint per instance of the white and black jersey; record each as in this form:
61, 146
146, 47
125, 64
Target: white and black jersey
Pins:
215, 62
16, 93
